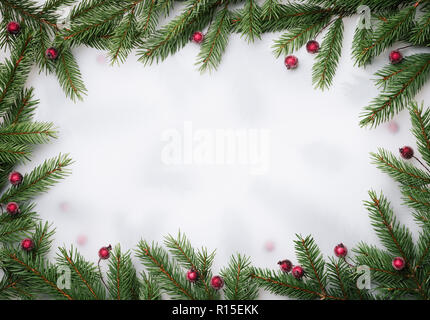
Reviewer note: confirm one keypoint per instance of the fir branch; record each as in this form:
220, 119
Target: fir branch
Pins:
69, 75
42, 275
250, 23
237, 277
328, 57
27, 133
86, 280
39, 180
421, 129
122, 279
13, 229
124, 38
176, 33
11, 152
171, 278
182, 250
150, 14
42, 237
386, 34
400, 171
420, 34
22, 109
28, 11
293, 15
149, 289
15, 71
311, 258
284, 284
297, 37
216, 40
396, 238
402, 84
103, 22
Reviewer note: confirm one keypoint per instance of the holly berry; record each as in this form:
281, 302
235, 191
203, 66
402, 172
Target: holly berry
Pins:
396, 57
285, 265
291, 62
27, 244
398, 263
298, 272
406, 152
192, 275
51, 53
340, 251
13, 27
197, 37
12, 208
104, 252
217, 282
313, 46
15, 178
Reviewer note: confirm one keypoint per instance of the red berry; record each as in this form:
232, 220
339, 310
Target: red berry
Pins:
285, 265
15, 178
13, 27
396, 57
291, 62
313, 46
217, 282
27, 244
104, 252
398, 263
340, 251
51, 53
406, 152
197, 37
298, 272
12, 208
192, 275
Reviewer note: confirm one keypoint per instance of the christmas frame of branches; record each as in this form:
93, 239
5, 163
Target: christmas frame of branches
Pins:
398, 270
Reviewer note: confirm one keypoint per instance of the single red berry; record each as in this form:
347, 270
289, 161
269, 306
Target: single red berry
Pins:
406, 152
396, 57
192, 275
197, 37
291, 62
285, 265
13, 27
12, 208
217, 282
340, 251
51, 53
313, 46
298, 272
15, 178
398, 263
104, 252
27, 244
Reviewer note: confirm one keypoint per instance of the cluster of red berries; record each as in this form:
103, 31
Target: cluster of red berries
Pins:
292, 62
14, 28
286, 266
15, 179
12, 208
217, 282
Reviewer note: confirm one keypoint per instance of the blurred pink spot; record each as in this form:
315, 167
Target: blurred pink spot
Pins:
82, 240
101, 59
64, 206
393, 127
269, 246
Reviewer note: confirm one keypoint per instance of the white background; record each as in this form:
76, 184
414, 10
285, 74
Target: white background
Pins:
120, 191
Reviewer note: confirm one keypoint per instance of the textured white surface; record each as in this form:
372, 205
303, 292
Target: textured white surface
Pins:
120, 191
